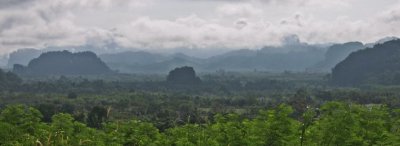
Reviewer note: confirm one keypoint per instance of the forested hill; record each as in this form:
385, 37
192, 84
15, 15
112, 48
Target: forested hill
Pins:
64, 63
379, 64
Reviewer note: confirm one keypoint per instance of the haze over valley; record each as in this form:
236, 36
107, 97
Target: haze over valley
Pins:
293, 55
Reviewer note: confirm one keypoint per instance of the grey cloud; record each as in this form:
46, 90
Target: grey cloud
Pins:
233, 25
393, 16
241, 24
220, 0
8, 21
291, 40
302, 3
239, 10
21, 42
262, 1
13, 3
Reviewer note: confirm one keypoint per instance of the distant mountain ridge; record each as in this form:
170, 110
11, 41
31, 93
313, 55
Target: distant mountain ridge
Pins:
145, 62
64, 63
293, 55
272, 59
245, 60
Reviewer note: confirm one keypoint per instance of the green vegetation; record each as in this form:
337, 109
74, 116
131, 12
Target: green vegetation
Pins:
226, 108
334, 123
184, 108
9, 81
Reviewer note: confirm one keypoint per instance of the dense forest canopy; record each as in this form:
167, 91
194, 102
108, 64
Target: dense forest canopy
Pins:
332, 124
9, 81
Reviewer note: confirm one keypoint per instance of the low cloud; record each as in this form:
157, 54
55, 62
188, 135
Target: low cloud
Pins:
232, 25
239, 10
8, 4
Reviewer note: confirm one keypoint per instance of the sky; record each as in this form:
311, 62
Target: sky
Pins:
193, 24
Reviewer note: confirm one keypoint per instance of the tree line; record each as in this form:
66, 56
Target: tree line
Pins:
334, 123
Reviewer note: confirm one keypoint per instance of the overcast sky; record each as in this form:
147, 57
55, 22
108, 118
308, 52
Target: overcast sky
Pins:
193, 24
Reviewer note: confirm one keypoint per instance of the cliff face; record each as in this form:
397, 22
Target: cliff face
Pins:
183, 75
64, 63
377, 65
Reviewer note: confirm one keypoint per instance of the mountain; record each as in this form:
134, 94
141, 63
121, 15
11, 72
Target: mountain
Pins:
381, 41
173, 61
293, 55
22, 56
335, 54
145, 62
128, 62
64, 63
3, 60
183, 75
9, 80
274, 59
289, 57
139, 57
378, 65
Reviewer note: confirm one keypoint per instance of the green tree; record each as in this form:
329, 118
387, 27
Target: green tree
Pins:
62, 129
228, 130
273, 127
307, 121
23, 117
191, 134
336, 126
97, 116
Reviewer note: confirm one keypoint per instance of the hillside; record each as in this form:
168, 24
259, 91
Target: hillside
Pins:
183, 75
64, 63
335, 54
8, 80
24, 55
273, 59
379, 64
295, 57
129, 62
